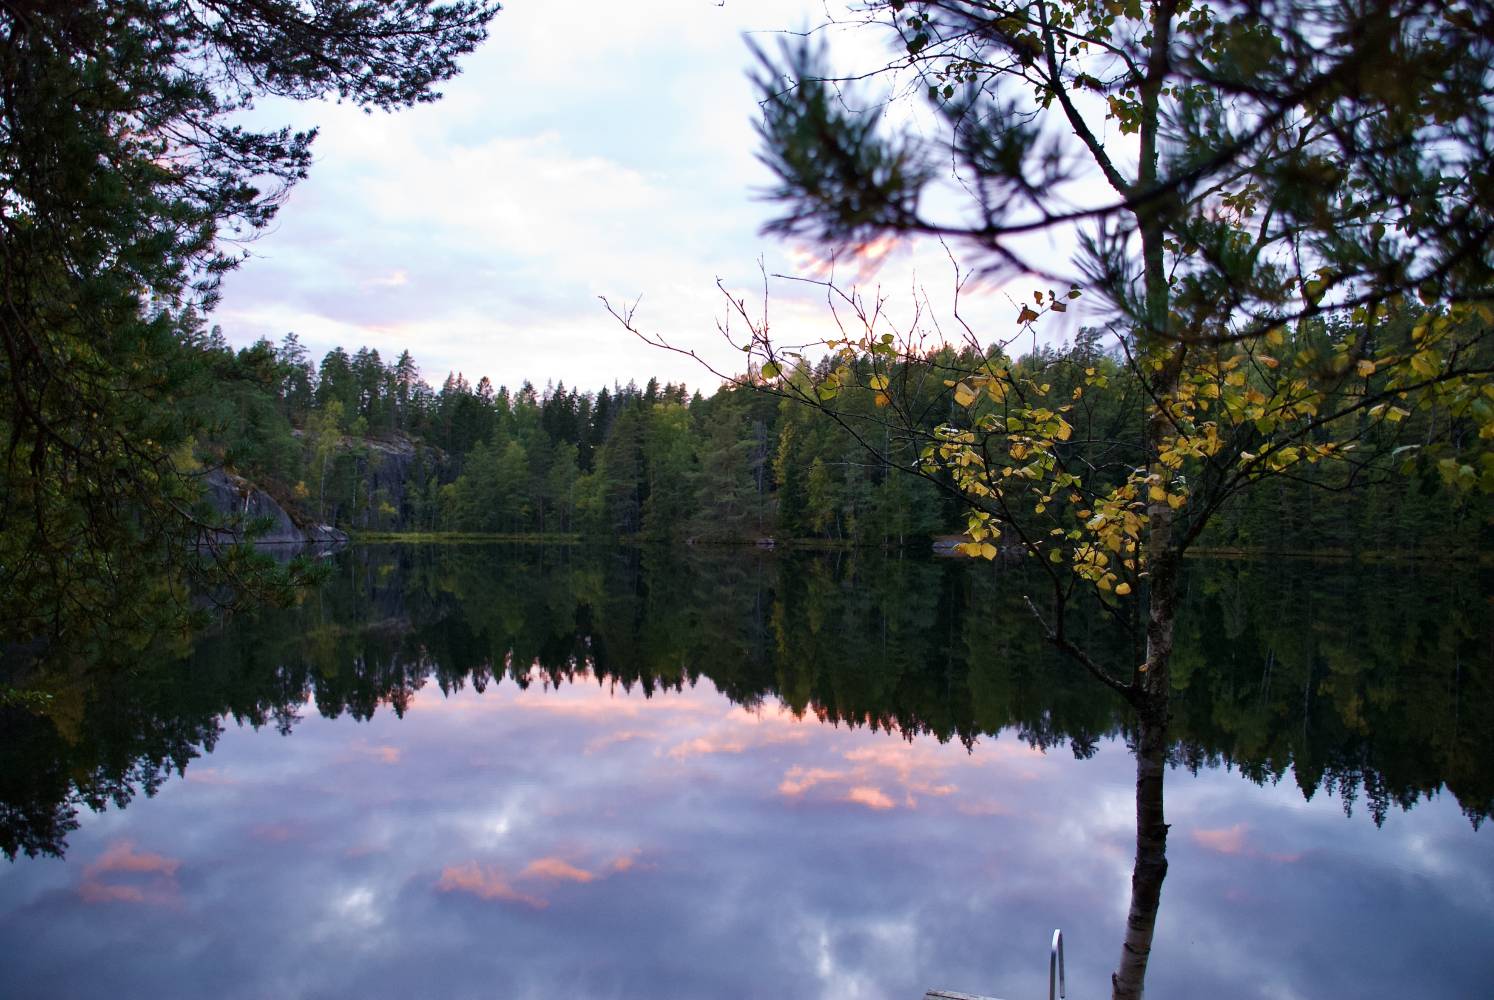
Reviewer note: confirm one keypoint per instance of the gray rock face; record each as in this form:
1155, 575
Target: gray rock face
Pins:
387, 467
242, 504
383, 467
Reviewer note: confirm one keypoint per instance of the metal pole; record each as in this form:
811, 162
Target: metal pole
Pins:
1055, 967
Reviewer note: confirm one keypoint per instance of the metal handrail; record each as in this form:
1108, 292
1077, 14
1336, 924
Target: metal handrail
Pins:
1055, 966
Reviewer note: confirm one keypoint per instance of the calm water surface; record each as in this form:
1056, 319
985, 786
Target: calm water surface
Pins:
513, 772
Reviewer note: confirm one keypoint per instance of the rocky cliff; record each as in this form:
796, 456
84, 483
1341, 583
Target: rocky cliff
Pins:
243, 505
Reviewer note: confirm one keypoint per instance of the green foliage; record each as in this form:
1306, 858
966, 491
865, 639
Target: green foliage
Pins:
1290, 268
742, 465
127, 180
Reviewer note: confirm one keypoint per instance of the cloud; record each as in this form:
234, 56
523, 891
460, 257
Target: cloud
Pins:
395, 279
702, 745
479, 233
872, 798
799, 780
121, 856
914, 769
384, 754
624, 862
485, 883
1233, 841
274, 833
613, 739
154, 877
1225, 841
741, 730
556, 869
491, 882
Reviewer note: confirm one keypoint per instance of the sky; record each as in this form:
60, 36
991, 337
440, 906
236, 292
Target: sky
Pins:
584, 841
587, 150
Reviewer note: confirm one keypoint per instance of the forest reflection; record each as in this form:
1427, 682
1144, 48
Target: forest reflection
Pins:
1369, 683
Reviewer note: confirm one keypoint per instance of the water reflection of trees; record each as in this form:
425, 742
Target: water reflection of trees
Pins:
1355, 681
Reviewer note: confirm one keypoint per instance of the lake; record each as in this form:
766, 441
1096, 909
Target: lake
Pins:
515, 771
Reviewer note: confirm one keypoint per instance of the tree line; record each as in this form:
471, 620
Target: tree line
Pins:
370, 445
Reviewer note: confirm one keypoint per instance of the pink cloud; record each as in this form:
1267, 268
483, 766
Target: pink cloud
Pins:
485, 883
364, 850
702, 746
384, 754
613, 739
122, 857
624, 863
1226, 841
1232, 840
917, 769
155, 874
741, 730
872, 798
104, 892
799, 780
555, 868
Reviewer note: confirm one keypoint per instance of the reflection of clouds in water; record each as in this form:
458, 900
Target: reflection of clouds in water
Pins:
358, 907
800, 779
872, 798
1226, 841
124, 875
384, 754
768, 856
557, 869
1234, 840
612, 739
741, 730
490, 882
485, 882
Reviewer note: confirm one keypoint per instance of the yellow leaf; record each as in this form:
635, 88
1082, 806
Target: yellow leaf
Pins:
1365, 368
963, 394
878, 382
1123, 589
987, 550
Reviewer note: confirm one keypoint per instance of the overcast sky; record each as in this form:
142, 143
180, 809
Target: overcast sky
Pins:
587, 149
